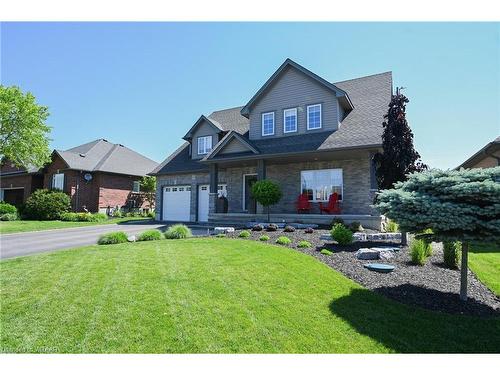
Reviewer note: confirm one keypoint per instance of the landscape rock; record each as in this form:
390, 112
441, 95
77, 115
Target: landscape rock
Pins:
131, 238
223, 230
367, 254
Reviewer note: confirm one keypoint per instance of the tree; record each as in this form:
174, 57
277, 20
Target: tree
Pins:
456, 205
399, 157
23, 133
148, 187
267, 193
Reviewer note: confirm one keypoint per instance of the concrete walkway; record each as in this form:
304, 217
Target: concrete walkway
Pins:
28, 243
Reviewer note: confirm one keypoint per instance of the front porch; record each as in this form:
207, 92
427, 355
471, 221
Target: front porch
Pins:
367, 221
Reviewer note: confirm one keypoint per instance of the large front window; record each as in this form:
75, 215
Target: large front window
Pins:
320, 184
58, 181
290, 120
204, 145
268, 123
314, 116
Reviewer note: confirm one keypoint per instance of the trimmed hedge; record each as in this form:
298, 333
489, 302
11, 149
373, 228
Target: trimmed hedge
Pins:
150, 235
46, 204
112, 238
178, 231
84, 216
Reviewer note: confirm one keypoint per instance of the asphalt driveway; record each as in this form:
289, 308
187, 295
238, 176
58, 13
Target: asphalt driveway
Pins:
28, 243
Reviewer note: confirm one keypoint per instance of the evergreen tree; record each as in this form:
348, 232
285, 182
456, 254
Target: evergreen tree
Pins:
399, 157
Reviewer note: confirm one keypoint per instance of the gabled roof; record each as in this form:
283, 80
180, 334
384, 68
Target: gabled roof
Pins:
202, 118
486, 151
232, 136
346, 102
103, 156
180, 161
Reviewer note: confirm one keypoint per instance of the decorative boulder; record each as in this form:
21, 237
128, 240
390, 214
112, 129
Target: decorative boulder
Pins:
385, 254
367, 254
131, 238
224, 230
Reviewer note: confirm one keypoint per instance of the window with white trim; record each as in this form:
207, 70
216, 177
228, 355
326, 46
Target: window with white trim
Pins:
268, 123
204, 145
58, 181
290, 120
321, 183
136, 187
313, 116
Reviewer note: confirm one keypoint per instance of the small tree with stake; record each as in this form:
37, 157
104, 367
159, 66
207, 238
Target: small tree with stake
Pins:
148, 187
267, 193
456, 205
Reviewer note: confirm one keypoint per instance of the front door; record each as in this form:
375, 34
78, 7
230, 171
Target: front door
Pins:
249, 204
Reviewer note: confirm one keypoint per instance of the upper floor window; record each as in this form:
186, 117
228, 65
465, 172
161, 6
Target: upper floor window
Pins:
268, 123
58, 181
204, 145
137, 187
314, 116
290, 120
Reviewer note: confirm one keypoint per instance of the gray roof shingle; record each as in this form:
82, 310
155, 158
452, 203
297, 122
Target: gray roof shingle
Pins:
362, 127
103, 156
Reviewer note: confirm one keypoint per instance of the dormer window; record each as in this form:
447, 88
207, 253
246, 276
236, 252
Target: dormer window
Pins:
290, 120
314, 116
268, 123
204, 145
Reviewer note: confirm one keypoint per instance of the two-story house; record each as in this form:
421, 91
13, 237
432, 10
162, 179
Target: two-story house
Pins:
307, 134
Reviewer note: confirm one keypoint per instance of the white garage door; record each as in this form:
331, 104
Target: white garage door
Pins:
176, 203
203, 203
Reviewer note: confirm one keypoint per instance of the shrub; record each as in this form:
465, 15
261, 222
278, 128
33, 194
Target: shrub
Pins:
309, 230
264, 238
451, 253
419, 251
150, 235
391, 227
337, 220
83, 216
178, 231
257, 228
112, 238
304, 244
272, 227
99, 217
267, 193
69, 216
151, 214
220, 235
289, 229
7, 208
244, 234
341, 234
9, 217
117, 213
326, 252
44, 204
355, 226
283, 240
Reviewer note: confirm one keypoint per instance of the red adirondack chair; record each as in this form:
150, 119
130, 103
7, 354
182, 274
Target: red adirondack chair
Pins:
303, 204
332, 207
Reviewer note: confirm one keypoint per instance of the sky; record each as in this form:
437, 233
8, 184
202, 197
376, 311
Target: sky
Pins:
145, 84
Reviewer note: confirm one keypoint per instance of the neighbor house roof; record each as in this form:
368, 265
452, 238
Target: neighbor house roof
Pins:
362, 127
103, 156
486, 151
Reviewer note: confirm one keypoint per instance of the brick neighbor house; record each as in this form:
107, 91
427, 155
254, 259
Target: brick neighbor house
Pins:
487, 157
96, 175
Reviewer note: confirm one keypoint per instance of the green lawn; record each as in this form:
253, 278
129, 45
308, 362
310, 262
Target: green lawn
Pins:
212, 295
484, 261
35, 225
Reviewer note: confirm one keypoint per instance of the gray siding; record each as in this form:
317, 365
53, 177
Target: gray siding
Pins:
204, 129
294, 89
233, 146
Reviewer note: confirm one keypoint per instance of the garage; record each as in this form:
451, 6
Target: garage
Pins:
176, 203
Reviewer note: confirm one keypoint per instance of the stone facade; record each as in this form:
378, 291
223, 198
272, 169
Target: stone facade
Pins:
357, 193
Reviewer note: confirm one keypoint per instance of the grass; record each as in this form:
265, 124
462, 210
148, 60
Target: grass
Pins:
484, 261
203, 295
19, 226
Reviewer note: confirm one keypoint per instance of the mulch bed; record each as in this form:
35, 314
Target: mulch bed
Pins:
432, 286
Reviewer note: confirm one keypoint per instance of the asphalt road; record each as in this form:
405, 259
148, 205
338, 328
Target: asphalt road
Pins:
28, 243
